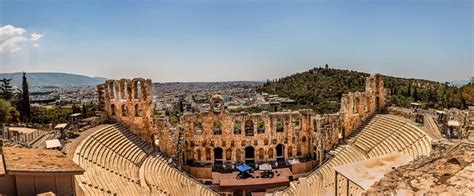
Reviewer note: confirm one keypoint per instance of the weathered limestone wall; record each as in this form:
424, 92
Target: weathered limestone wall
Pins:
326, 134
356, 107
231, 133
130, 102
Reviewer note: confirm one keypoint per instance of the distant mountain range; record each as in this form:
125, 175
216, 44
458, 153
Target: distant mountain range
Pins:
52, 79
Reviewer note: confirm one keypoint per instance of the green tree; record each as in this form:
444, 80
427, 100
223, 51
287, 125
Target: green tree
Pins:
6, 89
25, 110
8, 113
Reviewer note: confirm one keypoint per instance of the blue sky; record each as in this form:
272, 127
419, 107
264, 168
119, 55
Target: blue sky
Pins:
210, 40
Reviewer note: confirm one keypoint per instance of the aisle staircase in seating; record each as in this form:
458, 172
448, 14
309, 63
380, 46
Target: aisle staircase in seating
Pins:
382, 135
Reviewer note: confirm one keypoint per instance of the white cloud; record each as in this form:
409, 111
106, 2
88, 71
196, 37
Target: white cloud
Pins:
13, 40
36, 36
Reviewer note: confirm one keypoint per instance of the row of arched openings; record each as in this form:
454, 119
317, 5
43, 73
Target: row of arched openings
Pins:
249, 153
122, 90
249, 127
124, 109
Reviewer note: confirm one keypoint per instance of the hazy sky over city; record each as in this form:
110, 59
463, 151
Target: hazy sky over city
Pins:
211, 40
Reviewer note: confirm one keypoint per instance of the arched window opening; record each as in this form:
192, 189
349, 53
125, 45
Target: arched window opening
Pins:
280, 149
298, 150
279, 125
112, 109
249, 128
260, 126
228, 154
270, 153
297, 124
355, 106
237, 127
261, 154
217, 128
197, 128
303, 139
123, 90
138, 94
238, 155
138, 110
218, 155
124, 110
111, 90
249, 155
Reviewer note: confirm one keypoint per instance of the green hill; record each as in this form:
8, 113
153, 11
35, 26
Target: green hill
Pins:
321, 89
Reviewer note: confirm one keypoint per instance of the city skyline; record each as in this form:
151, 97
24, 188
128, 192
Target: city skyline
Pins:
237, 40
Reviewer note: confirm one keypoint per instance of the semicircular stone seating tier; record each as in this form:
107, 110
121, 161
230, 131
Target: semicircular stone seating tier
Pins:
383, 135
112, 158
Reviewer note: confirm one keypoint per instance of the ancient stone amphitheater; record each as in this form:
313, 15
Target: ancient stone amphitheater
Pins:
118, 162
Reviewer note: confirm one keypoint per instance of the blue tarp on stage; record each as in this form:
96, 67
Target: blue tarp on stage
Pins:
244, 168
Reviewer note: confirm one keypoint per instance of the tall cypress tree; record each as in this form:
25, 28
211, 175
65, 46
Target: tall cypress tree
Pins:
6, 89
25, 112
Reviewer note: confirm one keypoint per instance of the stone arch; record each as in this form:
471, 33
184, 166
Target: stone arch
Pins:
279, 125
139, 87
197, 128
249, 155
261, 154
218, 155
280, 151
156, 140
303, 139
248, 128
138, 110
238, 154
297, 124
237, 127
270, 153
228, 154
355, 105
124, 110
217, 128
113, 110
111, 87
124, 89
217, 101
260, 126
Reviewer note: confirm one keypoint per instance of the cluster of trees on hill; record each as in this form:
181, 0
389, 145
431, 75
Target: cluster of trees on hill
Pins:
322, 88
16, 107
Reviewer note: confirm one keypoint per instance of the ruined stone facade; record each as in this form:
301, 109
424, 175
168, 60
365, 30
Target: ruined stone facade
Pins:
218, 136
130, 102
356, 107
